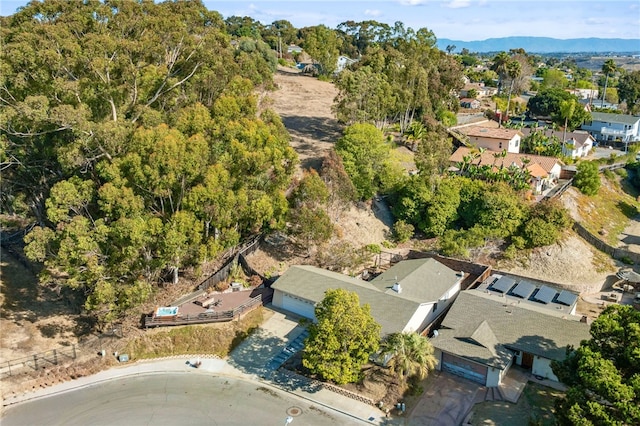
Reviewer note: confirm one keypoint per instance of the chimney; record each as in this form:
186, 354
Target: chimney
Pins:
397, 288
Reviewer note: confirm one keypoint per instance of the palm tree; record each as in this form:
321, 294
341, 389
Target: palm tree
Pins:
500, 62
412, 354
513, 71
609, 67
567, 108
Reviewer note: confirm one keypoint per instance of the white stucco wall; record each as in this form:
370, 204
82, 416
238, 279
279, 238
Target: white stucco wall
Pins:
422, 316
494, 375
542, 367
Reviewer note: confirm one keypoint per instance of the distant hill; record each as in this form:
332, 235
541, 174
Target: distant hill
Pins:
546, 45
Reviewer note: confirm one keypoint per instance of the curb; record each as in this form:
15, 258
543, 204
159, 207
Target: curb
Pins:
74, 386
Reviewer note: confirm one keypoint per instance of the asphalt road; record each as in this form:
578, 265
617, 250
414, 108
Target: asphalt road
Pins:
172, 399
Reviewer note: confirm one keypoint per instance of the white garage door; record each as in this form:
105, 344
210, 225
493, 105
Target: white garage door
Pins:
298, 306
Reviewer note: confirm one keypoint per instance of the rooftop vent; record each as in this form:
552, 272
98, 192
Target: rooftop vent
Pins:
397, 288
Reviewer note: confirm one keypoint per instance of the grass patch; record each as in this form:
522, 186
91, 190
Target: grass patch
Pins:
535, 407
609, 212
218, 339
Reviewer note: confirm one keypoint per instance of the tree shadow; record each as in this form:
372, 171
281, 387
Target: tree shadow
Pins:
629, 210
252, 350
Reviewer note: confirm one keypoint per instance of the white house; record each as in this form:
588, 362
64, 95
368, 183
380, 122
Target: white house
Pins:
405, 298
608, 127
577, 144
495, 139
483, 334
344, 62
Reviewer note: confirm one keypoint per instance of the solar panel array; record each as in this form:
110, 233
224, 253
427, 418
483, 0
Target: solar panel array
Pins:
567, 298
545, 294
524, 289
503, 285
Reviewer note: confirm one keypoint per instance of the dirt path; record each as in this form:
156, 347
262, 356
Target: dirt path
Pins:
304, 103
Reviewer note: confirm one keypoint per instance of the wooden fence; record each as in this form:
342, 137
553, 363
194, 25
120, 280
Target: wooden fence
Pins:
204, 317
38, 360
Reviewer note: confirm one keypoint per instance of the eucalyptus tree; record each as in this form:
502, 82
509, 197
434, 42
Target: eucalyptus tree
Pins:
137, 141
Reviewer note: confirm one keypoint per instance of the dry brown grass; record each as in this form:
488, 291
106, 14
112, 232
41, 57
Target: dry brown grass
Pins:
218, 339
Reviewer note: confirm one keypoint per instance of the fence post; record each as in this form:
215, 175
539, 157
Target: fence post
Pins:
74, 351
35, 362
55, 357
9, 365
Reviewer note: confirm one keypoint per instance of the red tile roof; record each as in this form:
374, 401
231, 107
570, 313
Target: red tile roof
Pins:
487, 157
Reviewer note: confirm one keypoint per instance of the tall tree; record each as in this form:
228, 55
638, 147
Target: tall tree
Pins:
500, 65
629, 91
603, 374
342, 339
323, 45
363, 151
608, 68
514, 70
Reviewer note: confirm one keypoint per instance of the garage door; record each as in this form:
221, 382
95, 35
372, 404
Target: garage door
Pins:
460, 367
298, 306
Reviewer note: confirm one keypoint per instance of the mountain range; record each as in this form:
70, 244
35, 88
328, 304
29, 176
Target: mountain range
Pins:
545, 45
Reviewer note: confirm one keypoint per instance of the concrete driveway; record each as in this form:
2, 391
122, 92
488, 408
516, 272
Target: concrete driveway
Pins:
445, 402
265, 343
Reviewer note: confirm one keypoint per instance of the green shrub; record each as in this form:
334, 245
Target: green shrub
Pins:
510, 252
539, 233
402, 231
609, 174
373, 248
622, 173
388, 244
587, 178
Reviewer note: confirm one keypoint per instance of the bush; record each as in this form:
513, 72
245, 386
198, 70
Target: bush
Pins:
373, 248
587, 178
222, 285
402, 231
622, 173
539, 233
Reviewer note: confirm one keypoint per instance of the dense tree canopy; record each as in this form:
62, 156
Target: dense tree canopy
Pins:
137, 143
629, 91
548, 103
603, 374
401, 77
343, 338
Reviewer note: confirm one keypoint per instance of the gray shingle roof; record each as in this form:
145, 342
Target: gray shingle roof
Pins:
515, 327
614, 118
422, 280
308, 282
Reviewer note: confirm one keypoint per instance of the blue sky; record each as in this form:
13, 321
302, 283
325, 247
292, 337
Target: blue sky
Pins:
454, 19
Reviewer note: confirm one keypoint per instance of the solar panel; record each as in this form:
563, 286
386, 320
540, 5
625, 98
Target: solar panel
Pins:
567, 298
524, 289
545, 294
503, 285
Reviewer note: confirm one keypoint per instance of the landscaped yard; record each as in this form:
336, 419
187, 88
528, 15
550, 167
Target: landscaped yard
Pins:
535, 406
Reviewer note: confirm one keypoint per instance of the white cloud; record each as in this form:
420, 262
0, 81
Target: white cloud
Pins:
412, 2
458, 4
372, 12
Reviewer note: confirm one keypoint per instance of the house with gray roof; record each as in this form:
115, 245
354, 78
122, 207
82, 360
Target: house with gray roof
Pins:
484, 334
405, 298
607, 127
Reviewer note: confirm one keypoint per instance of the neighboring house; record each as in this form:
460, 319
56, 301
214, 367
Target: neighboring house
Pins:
405, 298
492, 138
544, 171
484, 333
344, 62
577, 144
481, 90
292, 49
607, 127
584, 93
591, 104
469, 103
